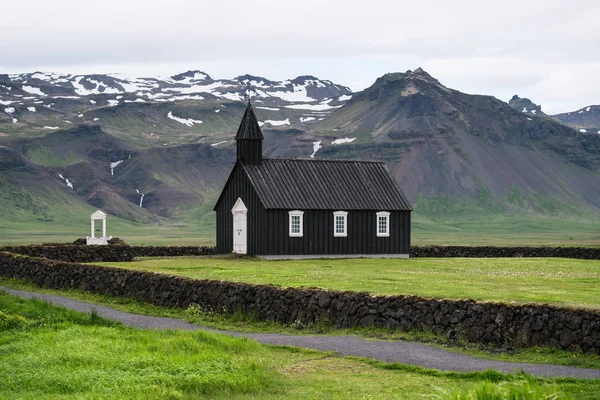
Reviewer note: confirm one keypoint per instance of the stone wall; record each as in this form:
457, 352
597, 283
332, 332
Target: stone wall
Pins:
587, 253
490, 323
77, 253
172, 251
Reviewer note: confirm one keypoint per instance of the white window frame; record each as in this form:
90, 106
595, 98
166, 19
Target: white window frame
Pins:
340, 214
386, 215
301, 215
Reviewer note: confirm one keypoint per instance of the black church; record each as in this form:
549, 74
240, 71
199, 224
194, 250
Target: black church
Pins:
287, 208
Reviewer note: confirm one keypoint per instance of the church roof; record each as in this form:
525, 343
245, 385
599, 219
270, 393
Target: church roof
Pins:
325, 185
249, 128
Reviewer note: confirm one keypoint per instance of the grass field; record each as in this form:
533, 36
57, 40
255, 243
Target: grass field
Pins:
49, 353
565, 282
197, 227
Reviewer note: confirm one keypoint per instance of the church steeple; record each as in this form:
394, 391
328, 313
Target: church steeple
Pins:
249, 138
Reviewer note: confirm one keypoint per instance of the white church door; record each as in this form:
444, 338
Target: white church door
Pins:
240, 218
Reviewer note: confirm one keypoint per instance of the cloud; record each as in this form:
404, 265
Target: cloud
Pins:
499, 48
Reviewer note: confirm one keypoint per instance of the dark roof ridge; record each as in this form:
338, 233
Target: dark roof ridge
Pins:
323, 160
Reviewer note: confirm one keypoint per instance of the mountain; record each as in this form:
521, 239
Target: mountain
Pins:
158, 111
586, 119
159, 149
465, 154
526, 106
94, 168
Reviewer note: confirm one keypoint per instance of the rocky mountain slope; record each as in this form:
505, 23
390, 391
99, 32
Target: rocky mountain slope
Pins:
449, 149
526, 106
105, 172
586, 119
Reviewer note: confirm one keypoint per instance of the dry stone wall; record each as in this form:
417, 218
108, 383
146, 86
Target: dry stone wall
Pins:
74, 253
117, 253
490, 323
586, 253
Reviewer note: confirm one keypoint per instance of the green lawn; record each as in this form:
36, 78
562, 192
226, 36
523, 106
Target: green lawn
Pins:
196, 226
52, 353
565, 282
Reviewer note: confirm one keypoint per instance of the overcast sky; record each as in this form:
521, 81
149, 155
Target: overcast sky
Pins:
546, 50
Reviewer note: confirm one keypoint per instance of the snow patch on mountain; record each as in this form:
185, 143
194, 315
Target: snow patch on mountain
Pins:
344, 140
278, 123
316, 147
114, 165
198, 76
33, 90
269, 108
69, 183
189, 121
298, 93
312, 107
99, 87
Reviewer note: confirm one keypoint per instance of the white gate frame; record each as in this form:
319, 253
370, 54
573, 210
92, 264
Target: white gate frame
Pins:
91, 240
240, 233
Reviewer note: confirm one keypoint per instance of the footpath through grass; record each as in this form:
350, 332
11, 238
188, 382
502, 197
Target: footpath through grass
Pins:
241, 322
51, 353
559, 281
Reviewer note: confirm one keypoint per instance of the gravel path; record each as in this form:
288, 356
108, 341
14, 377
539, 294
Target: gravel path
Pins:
388, 351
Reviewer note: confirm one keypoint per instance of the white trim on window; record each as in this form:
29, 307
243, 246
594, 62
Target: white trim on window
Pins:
296, 223
382, 224
340, 223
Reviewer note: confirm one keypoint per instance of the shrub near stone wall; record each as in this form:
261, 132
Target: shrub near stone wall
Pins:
586, 253
490, 323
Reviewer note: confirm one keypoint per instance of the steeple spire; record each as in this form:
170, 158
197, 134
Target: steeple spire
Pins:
249, 138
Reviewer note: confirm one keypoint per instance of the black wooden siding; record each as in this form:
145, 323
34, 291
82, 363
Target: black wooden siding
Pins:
268, 230
249, 151
318, 234
238, 186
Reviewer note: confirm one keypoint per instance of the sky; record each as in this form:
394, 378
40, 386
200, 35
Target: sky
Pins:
548, 51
